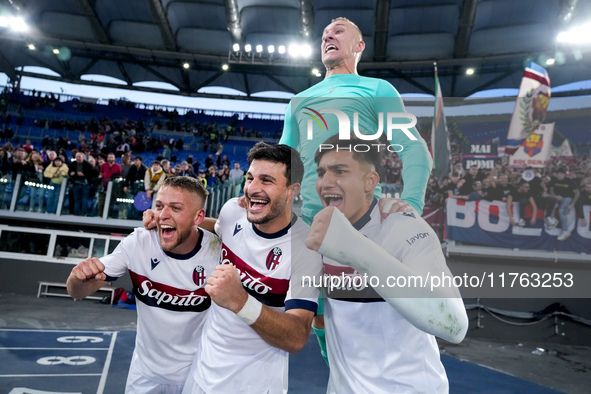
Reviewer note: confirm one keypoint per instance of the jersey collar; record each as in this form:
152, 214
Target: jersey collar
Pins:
366, 217
277, 234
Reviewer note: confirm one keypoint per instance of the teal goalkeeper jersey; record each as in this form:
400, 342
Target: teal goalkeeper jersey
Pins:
306, 127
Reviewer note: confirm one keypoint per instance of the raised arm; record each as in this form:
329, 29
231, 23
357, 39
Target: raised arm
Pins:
435, 310
86, 278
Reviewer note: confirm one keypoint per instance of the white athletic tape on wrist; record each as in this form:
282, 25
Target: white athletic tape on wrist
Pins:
388, 205
251, 310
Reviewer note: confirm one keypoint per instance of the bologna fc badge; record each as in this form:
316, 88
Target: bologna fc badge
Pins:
273, 258
199, 276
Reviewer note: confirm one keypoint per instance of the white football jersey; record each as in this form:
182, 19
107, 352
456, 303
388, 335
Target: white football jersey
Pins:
170, 297
233, 358
371, 347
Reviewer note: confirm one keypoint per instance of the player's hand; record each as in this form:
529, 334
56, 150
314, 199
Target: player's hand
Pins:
512, 221
149, 193
533, 221
225, 288
389, 206
571, 207
89, 270
242, 202
319, 228
583, 223
149, 219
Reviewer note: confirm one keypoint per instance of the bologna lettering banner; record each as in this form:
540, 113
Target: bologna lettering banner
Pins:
487, 223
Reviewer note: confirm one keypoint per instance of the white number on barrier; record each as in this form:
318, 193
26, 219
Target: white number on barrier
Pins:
77, 339
73, 360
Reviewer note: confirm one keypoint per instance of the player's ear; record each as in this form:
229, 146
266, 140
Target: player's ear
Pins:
294, 190
359, 47
199, 216
371, 180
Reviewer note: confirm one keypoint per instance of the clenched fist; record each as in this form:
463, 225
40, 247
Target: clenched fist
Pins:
225, 288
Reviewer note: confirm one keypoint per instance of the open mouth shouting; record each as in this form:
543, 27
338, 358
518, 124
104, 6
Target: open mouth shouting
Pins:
329, 48
167, 232
257, 204
332, 200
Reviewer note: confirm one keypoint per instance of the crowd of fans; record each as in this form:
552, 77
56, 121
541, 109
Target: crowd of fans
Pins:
89, 172
561, 186
565, 185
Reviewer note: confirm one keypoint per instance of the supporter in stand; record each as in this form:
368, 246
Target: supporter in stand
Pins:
452, 188
203, 178
223, 174
523, 197
211, 177
137, 172
166, 167
186, 170
563, 191
80, 174
584, 199
433, 195
154, 178
55, 172
236, 174
500, 188
474, 174
35, 177
126, 160
5, 164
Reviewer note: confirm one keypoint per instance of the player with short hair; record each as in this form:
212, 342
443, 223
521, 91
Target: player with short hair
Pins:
261, 310
371, 100
168, 269
342, 88
380, 339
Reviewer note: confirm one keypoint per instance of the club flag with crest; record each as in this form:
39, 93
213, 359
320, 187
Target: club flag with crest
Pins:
530, 107
440, 148
536, 150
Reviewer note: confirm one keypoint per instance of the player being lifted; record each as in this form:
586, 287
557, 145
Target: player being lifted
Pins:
380, 340
168, 269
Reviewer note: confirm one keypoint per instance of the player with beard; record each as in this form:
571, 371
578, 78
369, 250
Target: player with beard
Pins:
261, 310
380, 339
168, 269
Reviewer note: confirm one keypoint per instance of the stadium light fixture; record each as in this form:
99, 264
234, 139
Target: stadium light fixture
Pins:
259, 48
271, 48
18, 24
225, 67
236, 47
186, 66
306, 50
470, 71
294, 50
56, 51
31, 47
281, 49
550, 61
247, 48
579, 35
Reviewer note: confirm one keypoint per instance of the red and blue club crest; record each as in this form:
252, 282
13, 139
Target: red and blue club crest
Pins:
199, 277
273, 258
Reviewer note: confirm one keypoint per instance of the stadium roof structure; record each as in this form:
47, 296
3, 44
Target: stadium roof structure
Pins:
150, 40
